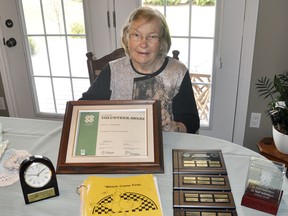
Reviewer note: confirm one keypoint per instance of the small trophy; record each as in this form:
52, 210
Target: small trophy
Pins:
263, 185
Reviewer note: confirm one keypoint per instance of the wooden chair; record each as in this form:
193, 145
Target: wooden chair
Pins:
96, 65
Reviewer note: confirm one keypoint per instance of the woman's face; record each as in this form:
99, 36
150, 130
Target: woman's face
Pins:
144, 50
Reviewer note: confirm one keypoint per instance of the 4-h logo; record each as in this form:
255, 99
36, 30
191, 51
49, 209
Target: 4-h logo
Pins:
89, 119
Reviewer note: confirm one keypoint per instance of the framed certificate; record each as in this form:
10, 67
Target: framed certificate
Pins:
111, 137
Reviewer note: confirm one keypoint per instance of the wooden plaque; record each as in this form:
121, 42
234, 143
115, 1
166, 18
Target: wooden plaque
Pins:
201, 182
198, 161
208, 212
203, 199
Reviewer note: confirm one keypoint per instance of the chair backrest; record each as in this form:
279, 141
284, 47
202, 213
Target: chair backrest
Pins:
96, 65
175, 54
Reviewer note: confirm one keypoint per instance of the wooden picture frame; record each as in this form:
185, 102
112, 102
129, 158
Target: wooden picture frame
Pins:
114, 136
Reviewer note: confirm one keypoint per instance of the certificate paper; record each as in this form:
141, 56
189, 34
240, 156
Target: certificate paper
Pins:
111, 133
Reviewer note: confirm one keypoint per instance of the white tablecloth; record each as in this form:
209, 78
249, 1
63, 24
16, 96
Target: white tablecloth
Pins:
43, 138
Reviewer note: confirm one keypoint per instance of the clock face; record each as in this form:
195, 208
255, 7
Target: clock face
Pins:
37, 175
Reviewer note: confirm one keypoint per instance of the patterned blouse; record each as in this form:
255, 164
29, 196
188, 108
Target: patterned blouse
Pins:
171, 85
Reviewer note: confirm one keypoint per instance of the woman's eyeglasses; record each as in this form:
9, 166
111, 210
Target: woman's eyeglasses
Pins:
149, 38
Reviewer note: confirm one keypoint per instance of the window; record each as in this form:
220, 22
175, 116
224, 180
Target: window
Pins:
56, 40
194, 38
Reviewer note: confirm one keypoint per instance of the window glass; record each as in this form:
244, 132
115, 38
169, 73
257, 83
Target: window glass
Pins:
177, 18
45, 95
79, 86
202, 21
64, 93
58, 56
77, 49
33, 17
201, 56
53, 17
38, 54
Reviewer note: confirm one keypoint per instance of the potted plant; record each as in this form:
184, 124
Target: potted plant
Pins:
277, 90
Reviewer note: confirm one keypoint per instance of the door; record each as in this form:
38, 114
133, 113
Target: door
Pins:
14, 70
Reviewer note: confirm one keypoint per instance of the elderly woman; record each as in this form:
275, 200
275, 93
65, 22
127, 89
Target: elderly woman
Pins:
147, 73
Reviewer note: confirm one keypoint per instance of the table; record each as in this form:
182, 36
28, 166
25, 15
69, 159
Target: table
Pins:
268, 149
43, 137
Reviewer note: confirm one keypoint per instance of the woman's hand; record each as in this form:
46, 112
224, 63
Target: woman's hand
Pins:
173, 126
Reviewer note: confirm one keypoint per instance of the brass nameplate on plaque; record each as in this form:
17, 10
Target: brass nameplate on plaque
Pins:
40, 195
